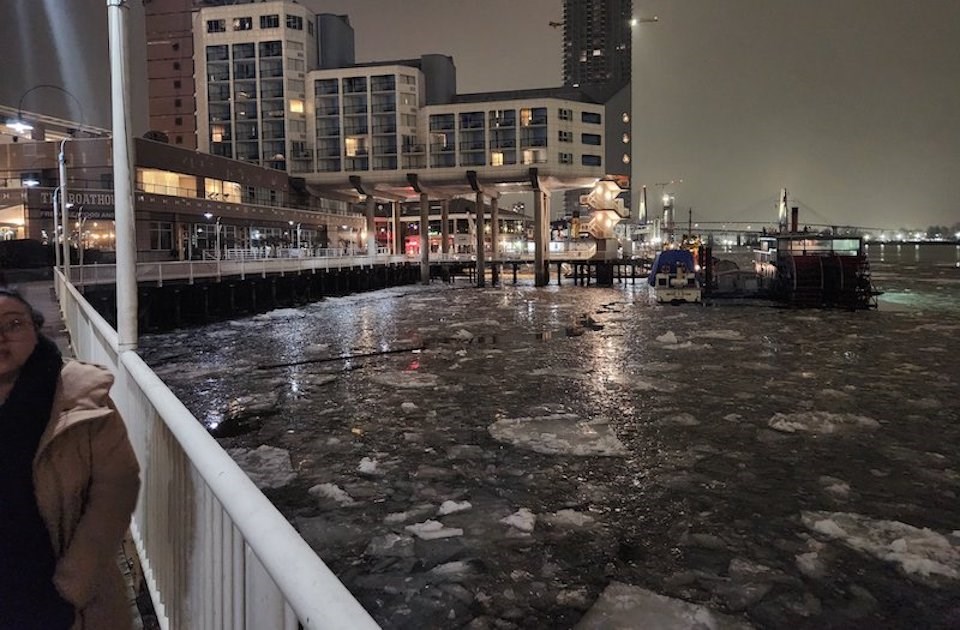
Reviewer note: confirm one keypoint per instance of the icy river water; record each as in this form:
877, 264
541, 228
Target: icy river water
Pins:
507, 456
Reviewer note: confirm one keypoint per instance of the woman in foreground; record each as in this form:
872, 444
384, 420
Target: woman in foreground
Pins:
68, 484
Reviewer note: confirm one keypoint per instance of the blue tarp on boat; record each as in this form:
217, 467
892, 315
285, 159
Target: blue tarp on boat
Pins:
670, 258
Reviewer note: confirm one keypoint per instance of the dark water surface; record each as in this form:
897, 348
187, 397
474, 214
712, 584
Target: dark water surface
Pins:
792, 468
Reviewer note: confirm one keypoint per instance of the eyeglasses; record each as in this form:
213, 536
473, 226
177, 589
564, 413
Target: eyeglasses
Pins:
16, 329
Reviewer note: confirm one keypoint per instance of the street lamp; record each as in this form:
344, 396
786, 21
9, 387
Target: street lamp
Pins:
20, 125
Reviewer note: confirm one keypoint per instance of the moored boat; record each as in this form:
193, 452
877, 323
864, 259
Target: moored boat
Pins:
673, 278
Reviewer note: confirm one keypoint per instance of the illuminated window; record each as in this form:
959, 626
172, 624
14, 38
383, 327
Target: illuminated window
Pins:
525, 116
355, 147
597, 52
216, 133
296, 106
496, 158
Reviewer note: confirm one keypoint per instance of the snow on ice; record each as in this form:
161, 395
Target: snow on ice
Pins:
820, 422
622, 606
563, 433
919, 552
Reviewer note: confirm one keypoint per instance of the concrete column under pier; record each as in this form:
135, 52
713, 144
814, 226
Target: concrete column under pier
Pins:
495, 240
424, 238
541, 238
445, 227
371, 226
397, 237
481, 272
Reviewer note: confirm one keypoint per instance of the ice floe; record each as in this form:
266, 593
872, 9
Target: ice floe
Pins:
820, 422
431, 530
568, 519
668, 337
267, 466
333, 492
369, 466
452, 507
559, 434
917, 552
523, 519
280, 313
622, 606
723, 334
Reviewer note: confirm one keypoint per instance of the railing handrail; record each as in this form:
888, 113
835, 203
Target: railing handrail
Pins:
310, 589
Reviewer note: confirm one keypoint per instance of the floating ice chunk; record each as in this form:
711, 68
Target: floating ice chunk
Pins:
837, 487
917, 552
925, 404
463, 335
726, 334
625, 606
267, 466
686, 345
369, 466
405, 380
733, 417
432, 530
333, 492
455, 571
523, 519
408, 407
563, 433
419, 511
569, 519
280, 313
667, 337
829, 528
820, 422
452, 507
811, 565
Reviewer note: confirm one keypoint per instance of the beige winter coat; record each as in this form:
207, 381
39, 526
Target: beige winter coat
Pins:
87, 478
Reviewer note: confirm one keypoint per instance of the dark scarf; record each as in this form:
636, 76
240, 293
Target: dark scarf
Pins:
28, 598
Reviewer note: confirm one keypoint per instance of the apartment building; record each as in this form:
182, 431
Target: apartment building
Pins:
251, 62
377, 121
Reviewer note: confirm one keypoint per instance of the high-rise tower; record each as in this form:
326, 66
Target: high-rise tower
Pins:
596, 43
596, 60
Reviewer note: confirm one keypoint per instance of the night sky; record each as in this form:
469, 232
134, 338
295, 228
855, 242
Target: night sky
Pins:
852, 105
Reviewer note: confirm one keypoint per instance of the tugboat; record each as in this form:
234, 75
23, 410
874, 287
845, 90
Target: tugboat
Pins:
673, 278
807, 270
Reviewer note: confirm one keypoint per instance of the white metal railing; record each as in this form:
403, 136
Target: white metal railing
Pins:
216, 553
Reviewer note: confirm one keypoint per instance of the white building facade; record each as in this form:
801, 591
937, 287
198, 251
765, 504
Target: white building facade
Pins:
250, 67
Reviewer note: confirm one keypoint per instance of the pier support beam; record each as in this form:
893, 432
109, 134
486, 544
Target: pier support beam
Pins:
495, 240
481, 272
424, 238
371, 226
398, 249
541, 237
445, 227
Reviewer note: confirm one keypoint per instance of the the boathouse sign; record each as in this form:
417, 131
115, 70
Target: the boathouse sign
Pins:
95, 204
